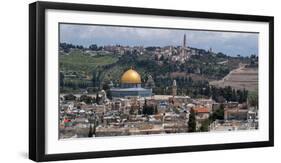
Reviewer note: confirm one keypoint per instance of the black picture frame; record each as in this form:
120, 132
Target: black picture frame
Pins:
37, 80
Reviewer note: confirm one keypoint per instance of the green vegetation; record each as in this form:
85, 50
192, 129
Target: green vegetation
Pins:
204, 126
218, 114
87, 99
94, 68
192, 121
70, 97
149, 109
253, 99
91, 132
228, 94
80, 62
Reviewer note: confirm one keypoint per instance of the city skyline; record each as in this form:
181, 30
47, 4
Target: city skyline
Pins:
132, 90
230, 43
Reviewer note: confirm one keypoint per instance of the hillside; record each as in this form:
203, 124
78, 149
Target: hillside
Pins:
79, 61
240, 78
82, 68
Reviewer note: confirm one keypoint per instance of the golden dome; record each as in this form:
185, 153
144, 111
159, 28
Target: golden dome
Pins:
131, 77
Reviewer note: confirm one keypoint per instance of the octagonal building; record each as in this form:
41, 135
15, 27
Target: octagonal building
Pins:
130, 86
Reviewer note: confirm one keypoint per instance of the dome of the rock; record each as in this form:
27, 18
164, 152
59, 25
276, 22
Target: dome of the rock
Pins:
131, 77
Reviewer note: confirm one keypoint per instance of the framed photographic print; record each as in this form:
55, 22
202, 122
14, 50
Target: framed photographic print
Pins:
110, 81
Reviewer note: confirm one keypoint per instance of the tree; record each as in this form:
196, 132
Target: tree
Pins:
144, 110
105, 86
70, 97
98, 98
108, 94
147, 110
207, 91
61, 80
245, 95
253, 99
234, 96
192, 121
242, 95
93, 47
79, 47
90, 134
66, 47
86, 99
95, 127
218, 114
228, 93
205, 126
95, 78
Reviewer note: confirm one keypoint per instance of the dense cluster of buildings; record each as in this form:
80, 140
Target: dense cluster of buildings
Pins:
172, 53
134, 110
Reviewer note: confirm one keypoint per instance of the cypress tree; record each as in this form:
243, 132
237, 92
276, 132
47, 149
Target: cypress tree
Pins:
90, 134
192, 121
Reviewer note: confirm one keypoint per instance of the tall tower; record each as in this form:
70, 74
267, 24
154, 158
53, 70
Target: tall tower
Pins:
184, 41
174, 88
184, 48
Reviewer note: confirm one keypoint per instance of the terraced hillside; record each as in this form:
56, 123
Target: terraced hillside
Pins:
240, 78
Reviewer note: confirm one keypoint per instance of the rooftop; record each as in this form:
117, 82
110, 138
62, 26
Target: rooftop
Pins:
201, 110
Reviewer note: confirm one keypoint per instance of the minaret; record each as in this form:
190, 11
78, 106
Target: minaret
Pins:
183, 48
174, 88
184, 41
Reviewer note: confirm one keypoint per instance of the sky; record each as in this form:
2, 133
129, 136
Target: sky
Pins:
230, 43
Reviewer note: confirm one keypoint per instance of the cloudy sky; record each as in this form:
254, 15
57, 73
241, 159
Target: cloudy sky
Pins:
230, 43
